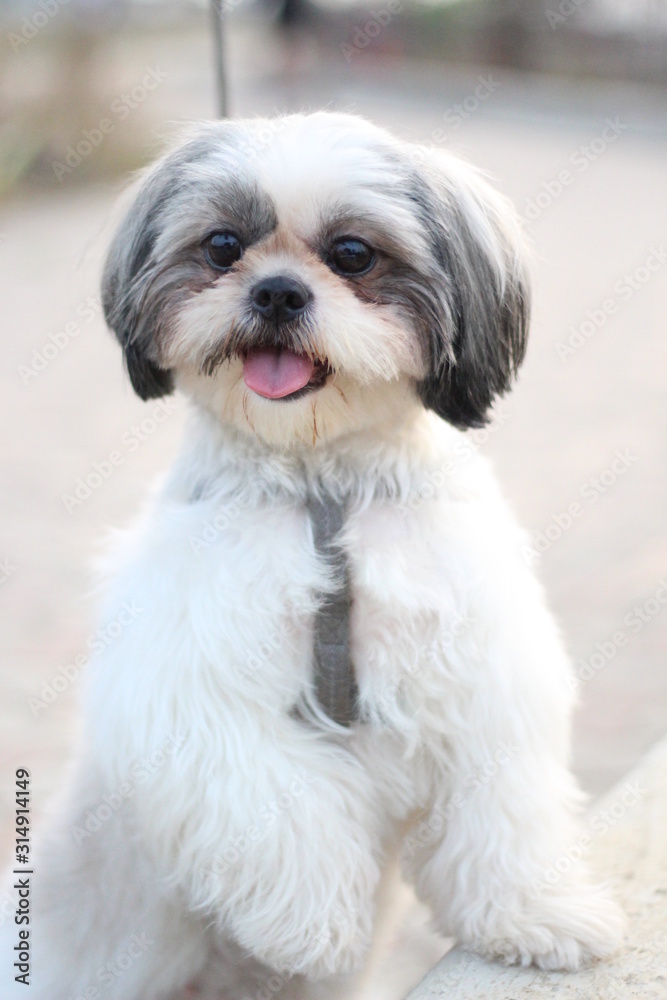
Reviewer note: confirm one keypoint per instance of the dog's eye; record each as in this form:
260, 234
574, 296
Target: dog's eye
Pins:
350, 256
222, 250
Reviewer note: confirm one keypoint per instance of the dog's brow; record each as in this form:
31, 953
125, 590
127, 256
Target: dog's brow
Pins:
350, 221
210, 199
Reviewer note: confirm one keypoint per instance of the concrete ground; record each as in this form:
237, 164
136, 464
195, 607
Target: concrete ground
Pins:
586, 425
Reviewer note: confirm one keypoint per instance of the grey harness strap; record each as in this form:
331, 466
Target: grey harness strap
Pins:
335, 684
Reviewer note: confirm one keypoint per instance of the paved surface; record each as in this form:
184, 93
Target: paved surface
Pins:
556, 442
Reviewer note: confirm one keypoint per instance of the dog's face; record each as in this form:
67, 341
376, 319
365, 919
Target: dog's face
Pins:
312, 275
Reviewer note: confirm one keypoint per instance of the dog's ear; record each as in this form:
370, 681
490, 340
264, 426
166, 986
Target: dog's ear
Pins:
125, 279
477, 244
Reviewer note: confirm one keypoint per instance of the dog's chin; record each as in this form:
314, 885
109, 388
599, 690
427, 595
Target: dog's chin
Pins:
329, 405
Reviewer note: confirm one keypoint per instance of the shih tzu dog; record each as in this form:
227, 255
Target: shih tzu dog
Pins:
339, 650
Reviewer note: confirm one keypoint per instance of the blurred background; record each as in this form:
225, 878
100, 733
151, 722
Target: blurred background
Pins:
563, 102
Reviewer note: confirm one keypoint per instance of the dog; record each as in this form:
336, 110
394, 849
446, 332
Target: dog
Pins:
339, 650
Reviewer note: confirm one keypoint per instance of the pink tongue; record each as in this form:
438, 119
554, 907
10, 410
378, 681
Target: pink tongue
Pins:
274, 373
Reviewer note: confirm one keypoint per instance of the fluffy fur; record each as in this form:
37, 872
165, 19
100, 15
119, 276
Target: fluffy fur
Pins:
245, 835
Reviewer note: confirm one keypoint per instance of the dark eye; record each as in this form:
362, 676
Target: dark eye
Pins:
350, 256
222, 250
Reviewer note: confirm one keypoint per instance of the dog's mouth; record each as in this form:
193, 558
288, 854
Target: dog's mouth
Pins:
278, 373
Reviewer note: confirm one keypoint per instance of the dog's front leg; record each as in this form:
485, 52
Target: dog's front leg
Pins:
483, 858
278, 848
499, 856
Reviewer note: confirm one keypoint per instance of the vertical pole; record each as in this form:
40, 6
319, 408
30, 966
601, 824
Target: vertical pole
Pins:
218, 25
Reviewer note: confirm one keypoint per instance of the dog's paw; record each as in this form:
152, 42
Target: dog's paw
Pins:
565, 932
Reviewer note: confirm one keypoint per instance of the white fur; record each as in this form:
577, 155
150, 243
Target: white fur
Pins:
256, 839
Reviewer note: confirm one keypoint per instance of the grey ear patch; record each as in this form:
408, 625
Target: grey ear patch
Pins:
487, 356
474, 355
148, 381
123, 294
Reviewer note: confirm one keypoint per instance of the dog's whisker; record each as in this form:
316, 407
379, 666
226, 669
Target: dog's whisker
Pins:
246, 413
315, 433
339, 391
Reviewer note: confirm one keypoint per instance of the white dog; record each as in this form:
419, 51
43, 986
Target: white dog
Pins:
337, 645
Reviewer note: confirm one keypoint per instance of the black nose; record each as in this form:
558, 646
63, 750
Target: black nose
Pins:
280, 299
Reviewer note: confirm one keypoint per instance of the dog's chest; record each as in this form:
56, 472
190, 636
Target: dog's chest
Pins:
268, 580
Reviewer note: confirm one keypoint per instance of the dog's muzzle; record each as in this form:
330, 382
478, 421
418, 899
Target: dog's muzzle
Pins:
277, 366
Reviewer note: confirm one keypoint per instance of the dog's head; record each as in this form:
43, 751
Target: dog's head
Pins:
309, 275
